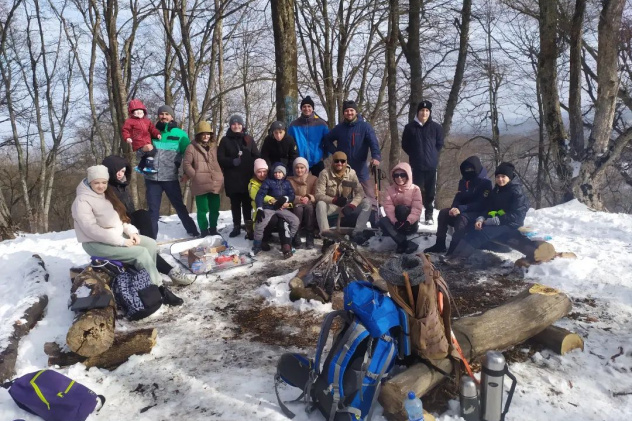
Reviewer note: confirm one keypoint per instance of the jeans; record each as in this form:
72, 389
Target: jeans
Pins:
154, 190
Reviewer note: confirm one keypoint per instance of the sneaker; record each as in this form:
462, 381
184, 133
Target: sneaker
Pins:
235, 232
169, 298
138, 170
309, 241
213, 231
287, 251
437, 248
203, 233
296, 242
429, 221
180, 278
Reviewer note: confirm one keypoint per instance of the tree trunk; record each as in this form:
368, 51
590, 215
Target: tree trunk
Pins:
412, 52
522, 317
124, 346
391, 69
576, 121
285, 54
559, 340
92, 332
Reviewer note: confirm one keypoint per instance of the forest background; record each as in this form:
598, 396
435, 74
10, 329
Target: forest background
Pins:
545, 84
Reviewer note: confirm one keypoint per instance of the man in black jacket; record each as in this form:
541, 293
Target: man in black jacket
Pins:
422, 140
474, 188
279, 146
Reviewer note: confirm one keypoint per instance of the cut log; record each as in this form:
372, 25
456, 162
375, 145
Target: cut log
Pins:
125, 345
559, 340
35, 273
522, 317
92, 332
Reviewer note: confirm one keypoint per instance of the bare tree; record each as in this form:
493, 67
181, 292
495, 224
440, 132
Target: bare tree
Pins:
285, 53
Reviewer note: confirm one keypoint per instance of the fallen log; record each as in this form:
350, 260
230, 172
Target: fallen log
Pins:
522, 317
559, 340
92, 332
124, 346
35, 273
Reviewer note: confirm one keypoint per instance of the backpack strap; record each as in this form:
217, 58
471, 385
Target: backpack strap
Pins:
385, 367
324, 334
102, 399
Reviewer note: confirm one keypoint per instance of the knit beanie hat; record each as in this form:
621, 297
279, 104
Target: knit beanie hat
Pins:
424, 104
277, 125
260, 164
98, 172
166, 109
236, 118
302, 161
280, 168
339, 155
506, 168
307, 100
349, 104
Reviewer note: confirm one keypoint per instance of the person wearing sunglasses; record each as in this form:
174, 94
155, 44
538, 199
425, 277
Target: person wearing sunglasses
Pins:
339, 190
402, 205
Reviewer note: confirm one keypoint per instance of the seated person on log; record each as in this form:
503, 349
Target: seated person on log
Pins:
338, 191
271, 198
403, 206
120, 172
304, 185
504, 212
474, 187
103, 229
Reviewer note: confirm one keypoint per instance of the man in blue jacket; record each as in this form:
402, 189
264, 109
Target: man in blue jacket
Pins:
354, 136
422, 140
308, 130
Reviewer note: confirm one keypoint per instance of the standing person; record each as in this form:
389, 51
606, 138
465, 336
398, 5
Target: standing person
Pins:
169, 151
279, 146
354, 136
309, 130
138, 131
119, 171
304, 185
103, 229
422, 140
339, 190
403, 206
474, 187
236, 154
201, 166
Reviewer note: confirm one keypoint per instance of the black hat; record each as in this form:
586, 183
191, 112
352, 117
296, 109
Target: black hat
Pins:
506, 168
277, 125
424, 104
307, 100
236, 118
349, 104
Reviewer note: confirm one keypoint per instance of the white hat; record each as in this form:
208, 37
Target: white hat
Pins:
98, 171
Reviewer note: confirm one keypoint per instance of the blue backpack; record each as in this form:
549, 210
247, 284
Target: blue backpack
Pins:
347, 385
53, 396
136, 294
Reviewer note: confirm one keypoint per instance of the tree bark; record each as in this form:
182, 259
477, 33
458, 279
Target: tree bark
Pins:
412, 52
391, 69
519, 319
285, 54
576, 121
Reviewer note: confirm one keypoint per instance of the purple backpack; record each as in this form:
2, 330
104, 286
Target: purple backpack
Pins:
53, 396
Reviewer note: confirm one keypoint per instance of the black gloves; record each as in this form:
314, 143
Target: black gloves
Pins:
402, 225
259, 215
348, 210
280, 201
339, 201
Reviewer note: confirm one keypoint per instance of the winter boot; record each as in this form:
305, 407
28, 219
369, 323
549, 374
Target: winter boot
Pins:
180, 278
203, 233
256, 247
250, 230
437, 248
326, 244
213, 231
411, 247
287, 251
149, 166
265, 246
309, 241
429, 220
296, 242
235, 232
169, 298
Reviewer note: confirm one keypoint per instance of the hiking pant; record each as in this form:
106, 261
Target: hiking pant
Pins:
207, 203
240, 202
279, 225
142, 256
361, 214
476, 239
283, 214
398, 235
153, 193
141, 220
459, 222
426, 180
306, 215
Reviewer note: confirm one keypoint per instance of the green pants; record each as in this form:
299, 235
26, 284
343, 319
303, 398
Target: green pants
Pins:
207, 203
142, 256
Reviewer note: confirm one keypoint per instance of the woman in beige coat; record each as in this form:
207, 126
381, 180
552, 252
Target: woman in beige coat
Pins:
304, 185
201, 166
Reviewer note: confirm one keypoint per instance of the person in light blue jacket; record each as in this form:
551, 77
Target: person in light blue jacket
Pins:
308, 130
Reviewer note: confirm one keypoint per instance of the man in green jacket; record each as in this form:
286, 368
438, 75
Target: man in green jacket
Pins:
169, 151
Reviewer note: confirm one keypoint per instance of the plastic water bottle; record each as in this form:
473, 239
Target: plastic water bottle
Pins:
414, 408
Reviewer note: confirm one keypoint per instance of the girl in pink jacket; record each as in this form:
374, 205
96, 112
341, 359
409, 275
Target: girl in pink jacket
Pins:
403, 206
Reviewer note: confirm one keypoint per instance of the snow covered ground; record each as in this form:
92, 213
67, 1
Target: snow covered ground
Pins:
204, 368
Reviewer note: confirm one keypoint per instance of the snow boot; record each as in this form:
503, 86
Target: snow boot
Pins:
149, 166
287, 251
203, 233
169, 298
265, 246
180, 278
256, 247
410, 247
213, 231
309, 241
429, 220
437, 248
235, 232
296, 242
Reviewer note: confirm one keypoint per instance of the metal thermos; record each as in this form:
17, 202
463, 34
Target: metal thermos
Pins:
492, 386
469, 399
